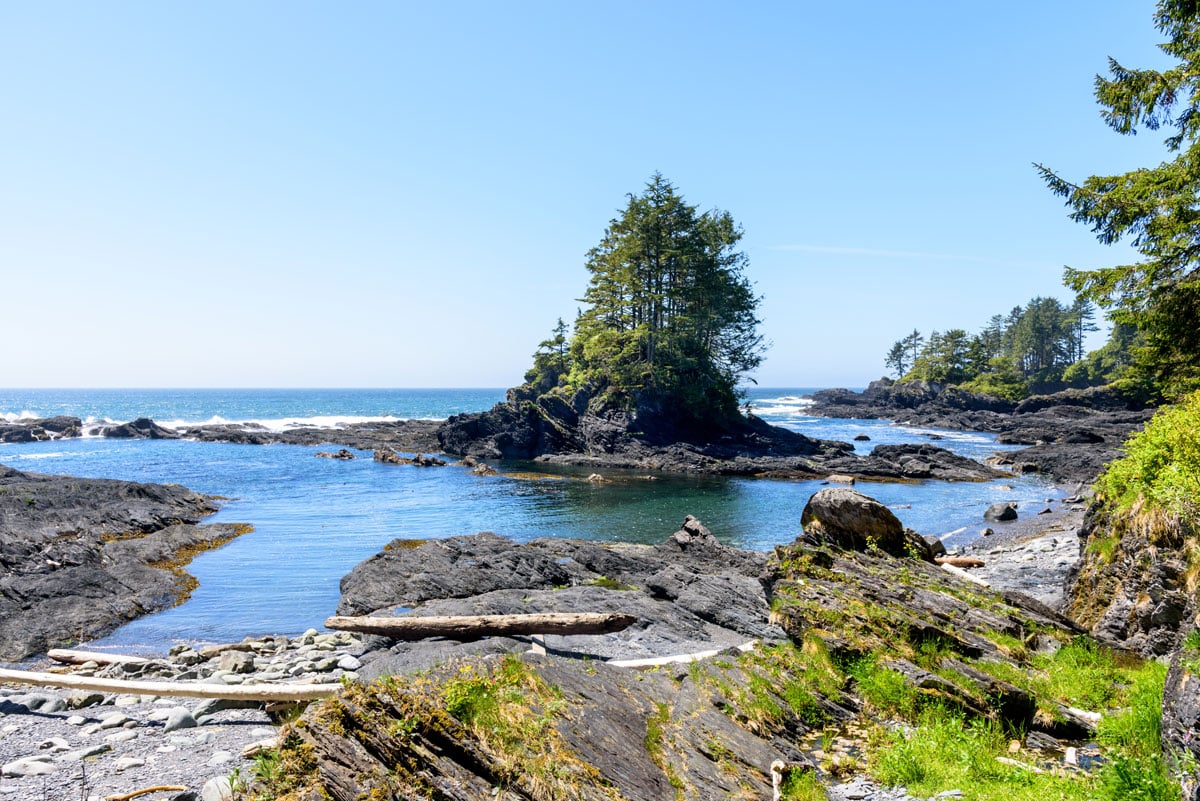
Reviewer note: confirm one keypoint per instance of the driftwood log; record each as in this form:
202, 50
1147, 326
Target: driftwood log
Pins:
959, 561
70, 657
474, 627
244, 692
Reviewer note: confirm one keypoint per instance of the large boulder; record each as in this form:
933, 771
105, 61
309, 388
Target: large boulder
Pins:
852, 521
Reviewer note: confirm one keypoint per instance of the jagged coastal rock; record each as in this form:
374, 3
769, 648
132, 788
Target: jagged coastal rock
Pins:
594, 432
1071, 434
690, 593
1132, 587
81, 556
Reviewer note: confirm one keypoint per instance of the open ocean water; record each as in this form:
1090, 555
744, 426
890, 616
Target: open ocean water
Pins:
314, 519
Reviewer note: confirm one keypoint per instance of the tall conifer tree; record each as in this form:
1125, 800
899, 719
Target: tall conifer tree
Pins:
670, 314
1157, 209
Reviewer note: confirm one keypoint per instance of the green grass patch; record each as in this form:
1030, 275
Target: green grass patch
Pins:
609, 584
1085, 675
945, 751
885, 689
801, 786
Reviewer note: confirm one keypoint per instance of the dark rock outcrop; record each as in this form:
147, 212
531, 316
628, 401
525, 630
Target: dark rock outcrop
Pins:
593, 431
713, 726
408, 436
1071, 434
141, 428
1130, 587
690, 592
81, 556
1181, 715
40, 430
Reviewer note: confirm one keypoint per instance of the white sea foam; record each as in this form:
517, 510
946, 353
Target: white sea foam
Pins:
16, 417
957, 436
789, 400
780, 409
280, 424
55, 455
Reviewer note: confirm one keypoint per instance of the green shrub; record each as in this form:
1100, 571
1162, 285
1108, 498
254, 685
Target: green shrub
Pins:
1161, 466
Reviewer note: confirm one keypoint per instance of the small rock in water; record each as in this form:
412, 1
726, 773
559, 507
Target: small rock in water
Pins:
1001, 512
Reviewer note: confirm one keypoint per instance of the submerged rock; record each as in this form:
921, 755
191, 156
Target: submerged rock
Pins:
1001, 512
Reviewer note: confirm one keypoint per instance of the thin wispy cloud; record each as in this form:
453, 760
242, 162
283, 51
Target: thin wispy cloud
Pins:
881, 253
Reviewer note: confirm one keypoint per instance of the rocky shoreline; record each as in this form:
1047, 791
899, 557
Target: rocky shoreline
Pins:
1070, 435
691, 594
81, 556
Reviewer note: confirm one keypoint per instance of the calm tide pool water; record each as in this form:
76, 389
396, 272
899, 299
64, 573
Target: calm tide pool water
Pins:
314, 519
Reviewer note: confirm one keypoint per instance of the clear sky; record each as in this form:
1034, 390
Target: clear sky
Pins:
401, 194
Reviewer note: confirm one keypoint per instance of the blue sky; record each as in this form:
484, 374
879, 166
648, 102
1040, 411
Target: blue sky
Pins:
402, 194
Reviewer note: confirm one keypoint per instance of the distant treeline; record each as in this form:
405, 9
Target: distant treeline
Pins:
1033, 349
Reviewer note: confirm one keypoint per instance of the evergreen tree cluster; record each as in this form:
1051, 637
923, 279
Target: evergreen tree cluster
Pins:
670, 318
1035, 348
1156, 209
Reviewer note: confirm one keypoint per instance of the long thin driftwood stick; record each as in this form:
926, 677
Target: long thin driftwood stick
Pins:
474, 627
159, 788
244, 692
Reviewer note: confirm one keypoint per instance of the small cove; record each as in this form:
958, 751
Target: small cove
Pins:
316, 518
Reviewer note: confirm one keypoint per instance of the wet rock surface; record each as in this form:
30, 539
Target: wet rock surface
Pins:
79, 555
